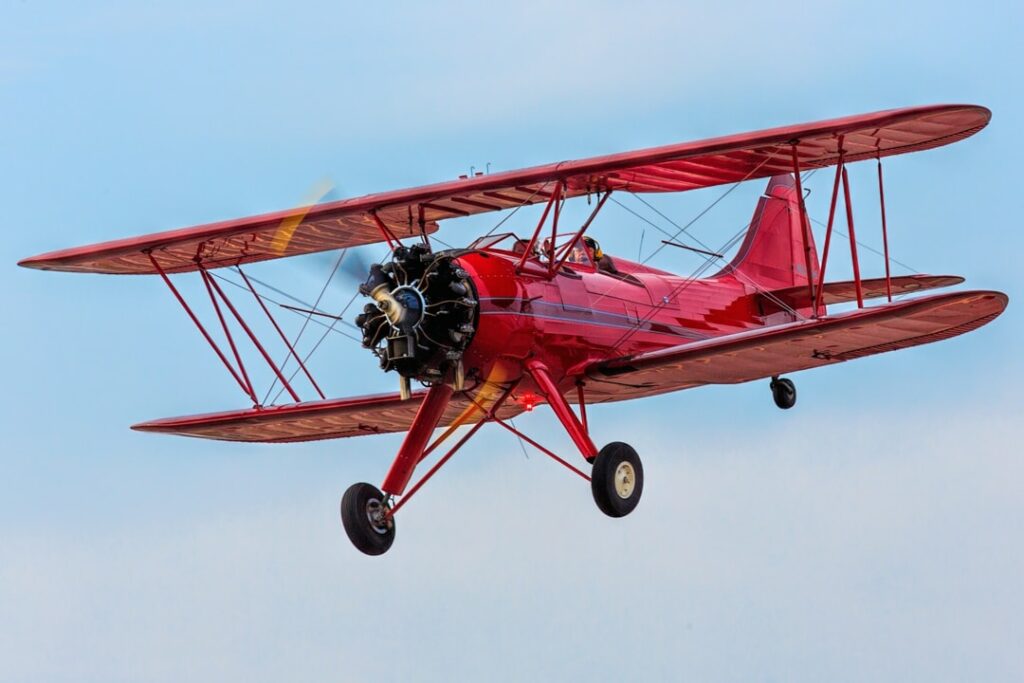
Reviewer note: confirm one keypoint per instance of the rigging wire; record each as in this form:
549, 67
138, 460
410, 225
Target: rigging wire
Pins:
305, 304
231, 282
682, 286
329, 329
684, 228
730, 243
435, 238
521, 444
868, 247
320, 341
708, 260
305, 324
739, 274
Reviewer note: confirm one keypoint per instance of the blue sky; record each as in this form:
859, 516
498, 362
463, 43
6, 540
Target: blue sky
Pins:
872, 533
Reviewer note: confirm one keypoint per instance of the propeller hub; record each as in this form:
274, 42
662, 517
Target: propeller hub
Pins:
406, 310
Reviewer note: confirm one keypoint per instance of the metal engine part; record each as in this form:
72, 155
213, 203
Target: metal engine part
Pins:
423, 315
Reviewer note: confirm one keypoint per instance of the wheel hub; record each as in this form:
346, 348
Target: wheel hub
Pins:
625, 480
376, 514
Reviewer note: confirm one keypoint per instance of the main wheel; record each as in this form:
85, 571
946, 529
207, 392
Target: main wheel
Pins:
364, 515
617, 479
784, 393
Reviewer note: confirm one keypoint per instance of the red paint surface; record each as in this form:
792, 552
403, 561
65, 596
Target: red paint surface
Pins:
672, 168
427, 418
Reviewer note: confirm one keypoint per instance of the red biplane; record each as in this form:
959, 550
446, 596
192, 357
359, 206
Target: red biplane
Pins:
508, 323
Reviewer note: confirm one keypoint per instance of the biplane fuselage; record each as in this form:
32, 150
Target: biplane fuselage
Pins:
584, 316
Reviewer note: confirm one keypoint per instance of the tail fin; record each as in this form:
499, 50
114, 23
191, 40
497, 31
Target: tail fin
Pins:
774, 254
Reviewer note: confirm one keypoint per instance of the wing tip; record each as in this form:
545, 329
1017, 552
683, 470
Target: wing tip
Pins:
1002, 298
161, 426
39, 262
63, 260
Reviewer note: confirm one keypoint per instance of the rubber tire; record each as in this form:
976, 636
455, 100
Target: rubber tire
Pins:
784, 393
364, 536
602, 479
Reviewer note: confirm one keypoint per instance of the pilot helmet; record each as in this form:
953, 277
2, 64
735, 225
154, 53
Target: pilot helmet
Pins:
594, 247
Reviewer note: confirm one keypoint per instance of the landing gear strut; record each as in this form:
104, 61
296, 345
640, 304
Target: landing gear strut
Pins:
784, 392
617, 479
364, 513
367, 513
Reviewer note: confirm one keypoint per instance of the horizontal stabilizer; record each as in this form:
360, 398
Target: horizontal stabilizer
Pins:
846, 291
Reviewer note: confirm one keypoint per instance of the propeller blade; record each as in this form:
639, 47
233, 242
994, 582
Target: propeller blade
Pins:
355, 265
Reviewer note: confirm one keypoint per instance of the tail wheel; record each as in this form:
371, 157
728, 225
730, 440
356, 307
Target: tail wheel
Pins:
784, 393
364, 516
617, 479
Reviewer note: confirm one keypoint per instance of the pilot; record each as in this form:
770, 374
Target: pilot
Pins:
578, 255
603, 262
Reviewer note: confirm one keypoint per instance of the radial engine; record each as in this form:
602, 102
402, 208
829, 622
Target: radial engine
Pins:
422, 318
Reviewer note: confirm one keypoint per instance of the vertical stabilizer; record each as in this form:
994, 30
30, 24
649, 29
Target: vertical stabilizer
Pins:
775, 253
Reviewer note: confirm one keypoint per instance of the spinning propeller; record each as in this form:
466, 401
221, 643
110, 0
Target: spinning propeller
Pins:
424, 308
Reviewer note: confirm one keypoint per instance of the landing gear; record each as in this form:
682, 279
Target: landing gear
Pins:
365, 516
617, 479
784, 392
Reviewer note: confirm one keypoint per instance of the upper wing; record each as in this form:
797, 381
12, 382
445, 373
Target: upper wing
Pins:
330, 419
765, 352
672, 168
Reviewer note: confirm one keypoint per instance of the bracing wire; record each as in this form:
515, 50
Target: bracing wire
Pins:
292, 310
305, 359
305, 324
707, 261
910, 269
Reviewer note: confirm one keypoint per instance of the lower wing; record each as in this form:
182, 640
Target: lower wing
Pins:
330, 419
764, 352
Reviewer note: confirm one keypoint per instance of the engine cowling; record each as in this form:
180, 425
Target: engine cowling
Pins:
423, 315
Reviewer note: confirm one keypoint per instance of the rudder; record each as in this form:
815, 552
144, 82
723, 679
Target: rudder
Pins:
772, 255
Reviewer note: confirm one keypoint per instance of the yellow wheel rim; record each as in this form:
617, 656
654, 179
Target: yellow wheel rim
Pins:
625, 480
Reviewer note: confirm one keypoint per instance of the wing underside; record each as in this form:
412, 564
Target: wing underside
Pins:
766, 352
314, 420
672, 168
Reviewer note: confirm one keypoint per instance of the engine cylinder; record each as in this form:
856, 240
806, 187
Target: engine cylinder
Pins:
424, 314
